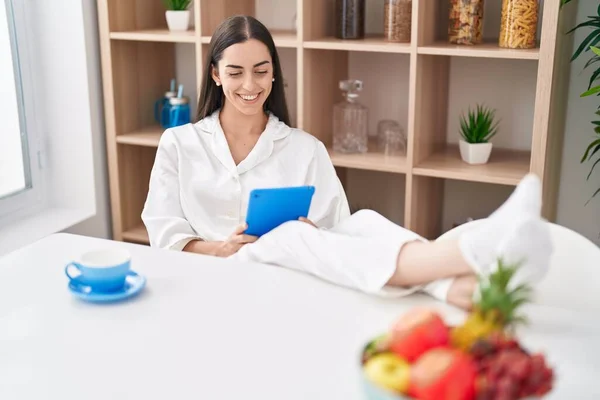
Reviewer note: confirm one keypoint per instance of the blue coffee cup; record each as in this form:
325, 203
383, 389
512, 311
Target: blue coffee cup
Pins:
103, 270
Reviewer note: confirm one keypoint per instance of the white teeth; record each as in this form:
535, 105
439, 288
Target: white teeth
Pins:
249, 98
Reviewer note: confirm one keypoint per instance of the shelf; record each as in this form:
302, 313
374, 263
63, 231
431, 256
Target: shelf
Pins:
371, 161
505, 167
370, 43
485, 50
148, 137
156, 35
281, 38
137, 234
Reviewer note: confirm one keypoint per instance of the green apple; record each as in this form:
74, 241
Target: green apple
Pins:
388, 371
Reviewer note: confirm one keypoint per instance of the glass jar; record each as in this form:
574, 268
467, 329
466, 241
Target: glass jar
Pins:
518, 24
397, 20
179, 113
162, 109
466, 22
350, 119
350, 19
391, 138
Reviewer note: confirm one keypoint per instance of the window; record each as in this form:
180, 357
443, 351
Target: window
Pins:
47, 174
19, 167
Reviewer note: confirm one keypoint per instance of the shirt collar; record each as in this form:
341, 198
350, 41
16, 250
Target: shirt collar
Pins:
274, 130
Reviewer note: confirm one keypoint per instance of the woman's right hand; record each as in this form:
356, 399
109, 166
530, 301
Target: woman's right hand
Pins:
234, 242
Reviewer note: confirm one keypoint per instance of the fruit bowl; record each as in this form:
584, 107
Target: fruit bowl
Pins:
423, 357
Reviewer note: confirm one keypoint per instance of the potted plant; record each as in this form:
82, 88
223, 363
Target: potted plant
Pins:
589, 48
476, 129
177, 14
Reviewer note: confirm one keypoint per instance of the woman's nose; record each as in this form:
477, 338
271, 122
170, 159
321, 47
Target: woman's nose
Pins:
249, 82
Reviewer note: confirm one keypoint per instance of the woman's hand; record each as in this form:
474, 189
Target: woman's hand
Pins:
308, 221
234, 242
225, 248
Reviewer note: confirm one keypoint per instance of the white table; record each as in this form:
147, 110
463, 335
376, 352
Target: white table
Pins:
207, 328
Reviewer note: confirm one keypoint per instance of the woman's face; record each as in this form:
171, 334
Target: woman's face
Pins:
245, 73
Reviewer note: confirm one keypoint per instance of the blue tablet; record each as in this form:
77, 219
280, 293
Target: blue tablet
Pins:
269, 208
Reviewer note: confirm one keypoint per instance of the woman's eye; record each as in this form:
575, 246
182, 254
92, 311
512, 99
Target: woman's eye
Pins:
233, 74
261, 72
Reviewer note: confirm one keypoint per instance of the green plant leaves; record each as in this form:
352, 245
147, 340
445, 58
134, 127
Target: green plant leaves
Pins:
589, 43
177, 5
479, 125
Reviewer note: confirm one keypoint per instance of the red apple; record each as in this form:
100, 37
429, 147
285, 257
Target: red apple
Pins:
443, 373
416, 332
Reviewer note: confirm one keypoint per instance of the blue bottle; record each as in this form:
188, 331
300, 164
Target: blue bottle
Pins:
162, 107
179, 109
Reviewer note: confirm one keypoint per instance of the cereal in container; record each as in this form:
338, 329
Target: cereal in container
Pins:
397, 20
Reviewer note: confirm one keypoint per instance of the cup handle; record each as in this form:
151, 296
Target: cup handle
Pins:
67, 270
157, 111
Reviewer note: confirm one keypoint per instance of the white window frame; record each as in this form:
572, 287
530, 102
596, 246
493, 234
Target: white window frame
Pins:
56, 79
29, 200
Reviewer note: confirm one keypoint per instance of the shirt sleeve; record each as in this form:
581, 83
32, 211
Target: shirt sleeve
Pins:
163, 216
329, 204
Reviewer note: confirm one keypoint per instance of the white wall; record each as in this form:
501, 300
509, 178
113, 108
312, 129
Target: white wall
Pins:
100, 224
575, 191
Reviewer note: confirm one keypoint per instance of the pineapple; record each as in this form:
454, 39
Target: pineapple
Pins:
496, 309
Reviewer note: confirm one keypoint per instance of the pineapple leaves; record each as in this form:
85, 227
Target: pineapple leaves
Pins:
479, 125
499, 300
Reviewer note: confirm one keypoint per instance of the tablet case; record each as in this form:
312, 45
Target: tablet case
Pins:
269, 208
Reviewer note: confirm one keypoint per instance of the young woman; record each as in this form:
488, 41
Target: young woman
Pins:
204, 172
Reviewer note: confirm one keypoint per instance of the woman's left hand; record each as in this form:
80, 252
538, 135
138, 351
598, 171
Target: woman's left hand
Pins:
308, 221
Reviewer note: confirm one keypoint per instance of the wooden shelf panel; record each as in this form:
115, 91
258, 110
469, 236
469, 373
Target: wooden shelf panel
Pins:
137, 234
282, 39
148, 137
485, 50
370, 43
371, 161
155, 35
505, 167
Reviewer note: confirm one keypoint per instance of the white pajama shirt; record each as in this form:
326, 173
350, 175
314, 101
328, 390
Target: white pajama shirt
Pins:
196, 191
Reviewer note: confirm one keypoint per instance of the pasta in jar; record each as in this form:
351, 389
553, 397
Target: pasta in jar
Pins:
466, 22
518, 24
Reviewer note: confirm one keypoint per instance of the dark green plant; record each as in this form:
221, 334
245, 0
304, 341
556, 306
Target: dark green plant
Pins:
177, 5
592, 152
479, 125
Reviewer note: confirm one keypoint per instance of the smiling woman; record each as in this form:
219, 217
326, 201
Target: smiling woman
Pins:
204, 172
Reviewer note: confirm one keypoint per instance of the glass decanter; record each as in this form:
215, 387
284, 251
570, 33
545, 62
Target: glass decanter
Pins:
350, 120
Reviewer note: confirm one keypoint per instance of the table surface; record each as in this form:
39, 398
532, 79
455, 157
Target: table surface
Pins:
208, 328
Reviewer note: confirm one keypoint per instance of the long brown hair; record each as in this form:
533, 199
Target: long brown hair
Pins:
238, 29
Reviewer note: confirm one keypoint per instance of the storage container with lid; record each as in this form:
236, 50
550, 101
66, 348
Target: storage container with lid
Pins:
465, 24
350, 19
350, 120
179, 112
397, 20
518, 24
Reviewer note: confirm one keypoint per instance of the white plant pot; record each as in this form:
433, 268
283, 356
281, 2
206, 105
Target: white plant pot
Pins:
178, 20
475, 153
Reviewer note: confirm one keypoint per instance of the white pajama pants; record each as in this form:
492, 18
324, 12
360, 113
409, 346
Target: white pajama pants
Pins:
360, 253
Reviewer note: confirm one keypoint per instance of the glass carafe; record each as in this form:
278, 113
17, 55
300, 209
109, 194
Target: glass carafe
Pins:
350, 120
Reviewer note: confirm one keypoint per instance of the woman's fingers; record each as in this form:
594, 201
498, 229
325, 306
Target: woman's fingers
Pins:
308, 221
244, 239
240, 229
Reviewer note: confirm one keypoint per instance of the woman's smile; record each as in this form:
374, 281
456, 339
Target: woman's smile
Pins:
249, 98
